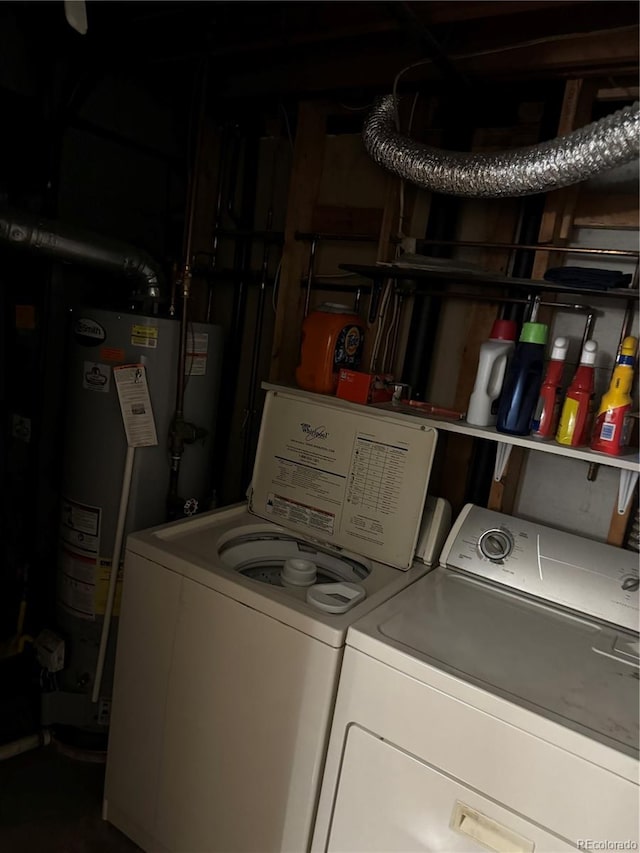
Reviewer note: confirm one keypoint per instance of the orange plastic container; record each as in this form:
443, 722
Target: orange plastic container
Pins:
332, 337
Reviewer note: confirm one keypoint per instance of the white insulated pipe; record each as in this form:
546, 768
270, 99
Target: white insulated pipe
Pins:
115, 568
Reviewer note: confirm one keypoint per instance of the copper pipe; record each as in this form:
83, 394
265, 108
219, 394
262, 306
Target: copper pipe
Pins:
178, 425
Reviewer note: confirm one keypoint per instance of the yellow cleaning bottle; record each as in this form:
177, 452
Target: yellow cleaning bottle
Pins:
613, 424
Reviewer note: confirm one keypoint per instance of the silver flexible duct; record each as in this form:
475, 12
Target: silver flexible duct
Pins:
68, 243
609, 142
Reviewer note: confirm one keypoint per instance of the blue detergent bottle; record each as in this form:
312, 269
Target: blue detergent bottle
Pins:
522, 384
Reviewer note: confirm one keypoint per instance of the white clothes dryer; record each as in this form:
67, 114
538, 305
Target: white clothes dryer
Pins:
494, 704
233, 625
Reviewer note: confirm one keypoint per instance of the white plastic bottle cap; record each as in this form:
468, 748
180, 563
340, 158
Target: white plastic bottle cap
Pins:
560, 347
589, 352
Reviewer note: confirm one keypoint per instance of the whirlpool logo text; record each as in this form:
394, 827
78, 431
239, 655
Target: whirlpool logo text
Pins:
312, 433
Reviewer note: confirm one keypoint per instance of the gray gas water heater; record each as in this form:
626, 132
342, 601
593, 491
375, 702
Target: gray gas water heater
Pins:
94, 460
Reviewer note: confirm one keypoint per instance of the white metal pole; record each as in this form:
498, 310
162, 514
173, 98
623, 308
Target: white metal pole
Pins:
115, 568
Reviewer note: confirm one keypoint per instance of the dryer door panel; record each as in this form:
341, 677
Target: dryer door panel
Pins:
391, 802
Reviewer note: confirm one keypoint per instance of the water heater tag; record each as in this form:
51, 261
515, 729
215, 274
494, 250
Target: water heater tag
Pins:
135, 404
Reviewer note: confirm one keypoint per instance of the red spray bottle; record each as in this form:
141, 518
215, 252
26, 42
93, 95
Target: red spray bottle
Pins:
545, 418
575, 420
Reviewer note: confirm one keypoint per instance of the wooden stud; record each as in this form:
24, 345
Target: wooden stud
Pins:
503, 495
607, 210
619, 523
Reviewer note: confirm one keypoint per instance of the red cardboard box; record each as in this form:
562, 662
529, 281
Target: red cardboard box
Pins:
364, 387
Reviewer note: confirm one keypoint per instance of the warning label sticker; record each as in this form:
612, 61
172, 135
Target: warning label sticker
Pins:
197, 349
80, 543
96, 377
144, 336
80, 526
298, 513
76, 583
112, 354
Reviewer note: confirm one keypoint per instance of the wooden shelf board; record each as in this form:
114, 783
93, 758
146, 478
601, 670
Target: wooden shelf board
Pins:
628, 461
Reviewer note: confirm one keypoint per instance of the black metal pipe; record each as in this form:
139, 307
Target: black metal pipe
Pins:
427, 308
422, 332
233, 180
481, 466
255, 362
233, 354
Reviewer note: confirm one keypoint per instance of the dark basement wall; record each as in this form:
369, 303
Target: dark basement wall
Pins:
106, 151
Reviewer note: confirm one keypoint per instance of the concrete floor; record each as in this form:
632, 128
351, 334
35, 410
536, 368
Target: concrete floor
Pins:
50, 803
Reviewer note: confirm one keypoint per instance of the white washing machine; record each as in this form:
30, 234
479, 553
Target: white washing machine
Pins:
494, 704
233, 625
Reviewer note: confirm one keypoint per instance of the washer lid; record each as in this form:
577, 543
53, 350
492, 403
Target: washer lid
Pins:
346, 475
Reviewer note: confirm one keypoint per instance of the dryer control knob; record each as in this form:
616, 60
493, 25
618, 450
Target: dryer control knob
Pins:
495, 544
630, 583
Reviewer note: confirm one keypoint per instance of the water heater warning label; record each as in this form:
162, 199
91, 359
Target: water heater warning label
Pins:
144, 336
197, 349
80, 545
80, 526
135, 404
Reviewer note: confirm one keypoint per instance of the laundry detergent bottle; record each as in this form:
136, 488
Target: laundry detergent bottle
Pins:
522, 385
613, 424
492, 366
332, 337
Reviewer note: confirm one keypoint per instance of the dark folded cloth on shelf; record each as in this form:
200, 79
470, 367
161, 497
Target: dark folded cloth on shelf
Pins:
587, 277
